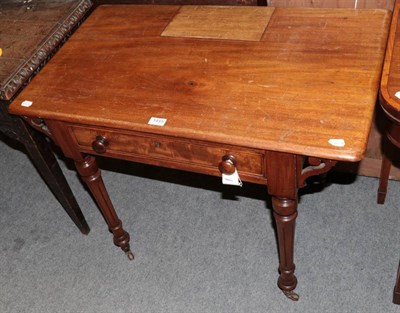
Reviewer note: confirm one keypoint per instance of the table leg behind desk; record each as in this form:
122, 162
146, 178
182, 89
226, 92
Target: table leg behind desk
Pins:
45, 162
384, 178
41, 156
396, 292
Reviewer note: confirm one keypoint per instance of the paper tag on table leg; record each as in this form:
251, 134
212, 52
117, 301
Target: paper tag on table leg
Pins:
232, 179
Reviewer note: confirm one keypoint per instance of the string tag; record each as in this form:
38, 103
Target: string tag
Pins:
232, 179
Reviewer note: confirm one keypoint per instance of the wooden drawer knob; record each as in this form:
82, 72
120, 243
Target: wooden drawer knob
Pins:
100, 144
228, 164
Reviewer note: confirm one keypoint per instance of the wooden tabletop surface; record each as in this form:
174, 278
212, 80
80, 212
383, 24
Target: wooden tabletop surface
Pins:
312, 76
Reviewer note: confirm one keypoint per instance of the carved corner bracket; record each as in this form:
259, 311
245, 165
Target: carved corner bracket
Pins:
315, 166
38, 124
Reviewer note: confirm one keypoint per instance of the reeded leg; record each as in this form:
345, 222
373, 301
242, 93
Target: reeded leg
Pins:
282, 171
90, 173
285, 213
396, 292
384, 178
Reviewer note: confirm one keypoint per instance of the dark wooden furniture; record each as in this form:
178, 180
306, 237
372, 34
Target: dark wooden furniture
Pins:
30, 33
396, 291
299, 99
390, 103
184, 2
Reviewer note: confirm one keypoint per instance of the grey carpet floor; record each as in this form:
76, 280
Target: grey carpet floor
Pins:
199, 246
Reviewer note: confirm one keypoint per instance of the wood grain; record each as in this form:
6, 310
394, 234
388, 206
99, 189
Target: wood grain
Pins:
313, 76
370, 165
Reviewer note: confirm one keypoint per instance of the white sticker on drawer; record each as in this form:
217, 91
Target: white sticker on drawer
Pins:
157, 121
232, 179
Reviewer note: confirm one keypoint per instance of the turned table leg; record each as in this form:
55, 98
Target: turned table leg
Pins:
286, 173
91, 175
282, 186
285, 213
87, 168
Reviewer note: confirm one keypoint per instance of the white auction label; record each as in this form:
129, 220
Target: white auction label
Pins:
157, 121
232, 179
337, 142
26, 103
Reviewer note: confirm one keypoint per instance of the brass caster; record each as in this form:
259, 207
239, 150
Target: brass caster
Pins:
291, 295
130, 256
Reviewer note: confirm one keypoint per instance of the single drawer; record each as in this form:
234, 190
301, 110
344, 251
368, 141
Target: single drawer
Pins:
191, 153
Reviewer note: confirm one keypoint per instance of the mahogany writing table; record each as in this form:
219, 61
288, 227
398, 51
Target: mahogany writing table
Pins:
277, 95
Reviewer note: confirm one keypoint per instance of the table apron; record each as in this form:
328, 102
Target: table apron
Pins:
172, 152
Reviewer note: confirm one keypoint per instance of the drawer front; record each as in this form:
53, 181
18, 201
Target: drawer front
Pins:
179, 151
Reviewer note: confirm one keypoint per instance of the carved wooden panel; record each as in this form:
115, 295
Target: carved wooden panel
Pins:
42, 26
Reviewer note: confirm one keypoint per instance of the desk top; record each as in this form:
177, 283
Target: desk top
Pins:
312, 75
29, 32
